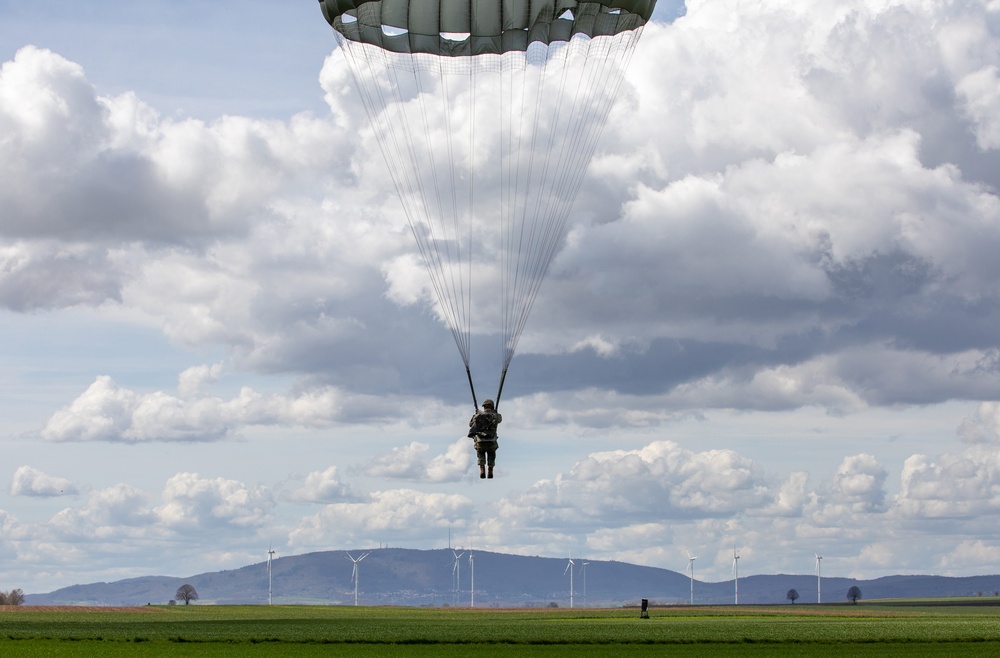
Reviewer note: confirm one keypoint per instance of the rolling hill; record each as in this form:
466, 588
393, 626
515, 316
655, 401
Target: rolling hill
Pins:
396, 576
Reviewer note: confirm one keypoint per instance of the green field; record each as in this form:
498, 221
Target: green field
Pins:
882, 628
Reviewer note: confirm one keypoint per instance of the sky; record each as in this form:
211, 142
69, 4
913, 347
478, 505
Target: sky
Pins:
774, 323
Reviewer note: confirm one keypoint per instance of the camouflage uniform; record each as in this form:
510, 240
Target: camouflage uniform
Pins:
483, 430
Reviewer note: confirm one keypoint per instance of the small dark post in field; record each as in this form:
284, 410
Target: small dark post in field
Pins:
645, 609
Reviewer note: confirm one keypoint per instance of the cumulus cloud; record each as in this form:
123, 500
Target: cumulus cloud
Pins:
322, 487
108, 412
30, 481
114, 512
192, 503
793, 207
773, 219
411, 462
95, 167
657, 482
793, 218
961, 485
397, 515
859, 482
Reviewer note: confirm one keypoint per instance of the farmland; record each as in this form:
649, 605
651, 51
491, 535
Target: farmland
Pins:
941, 627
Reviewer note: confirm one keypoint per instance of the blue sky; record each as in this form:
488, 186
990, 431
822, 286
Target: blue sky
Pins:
772, 324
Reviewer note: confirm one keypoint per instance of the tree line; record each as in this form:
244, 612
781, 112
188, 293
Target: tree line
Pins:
13, 597
853, 594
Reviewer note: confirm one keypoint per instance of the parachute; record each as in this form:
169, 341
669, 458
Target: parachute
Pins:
487, 113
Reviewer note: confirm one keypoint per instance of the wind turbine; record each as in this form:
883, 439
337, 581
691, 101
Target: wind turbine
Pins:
354, 574
472, 568
736, 574
691, 570
569, 568
270, 554
456, 576
583, 570
819, 576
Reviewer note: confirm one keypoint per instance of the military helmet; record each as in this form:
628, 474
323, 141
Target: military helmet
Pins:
487, 403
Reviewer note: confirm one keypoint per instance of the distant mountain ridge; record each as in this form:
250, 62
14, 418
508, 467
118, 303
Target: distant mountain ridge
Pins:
398, 576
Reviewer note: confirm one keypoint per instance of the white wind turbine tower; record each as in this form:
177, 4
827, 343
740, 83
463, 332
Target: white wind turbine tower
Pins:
472, 569
736, 574
583, 570
354, 574
691, 570
270, 554
819, 576
456, 576
569, 568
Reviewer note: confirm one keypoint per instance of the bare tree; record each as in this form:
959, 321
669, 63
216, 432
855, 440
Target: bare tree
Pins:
854, 594
187, 593
792, 595
14, 597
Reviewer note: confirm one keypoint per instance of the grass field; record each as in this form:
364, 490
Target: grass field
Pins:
908, 628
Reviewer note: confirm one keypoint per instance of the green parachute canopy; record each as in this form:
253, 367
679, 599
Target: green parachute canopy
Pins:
488, 113
487, 26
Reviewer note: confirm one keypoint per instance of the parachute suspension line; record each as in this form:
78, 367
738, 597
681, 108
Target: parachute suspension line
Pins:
509, 184
382, 134
542, 233
521, 251
554, 99
521, 226
583, 104
453, 243
385, 110
435, 259
471, 158
472, 387
572, 163
605, 75
377, 108
503, 376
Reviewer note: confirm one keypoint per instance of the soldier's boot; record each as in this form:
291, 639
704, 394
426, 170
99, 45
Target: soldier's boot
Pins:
490, 475
482, 471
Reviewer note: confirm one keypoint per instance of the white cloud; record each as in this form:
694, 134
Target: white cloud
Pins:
193, 380
107, 412
625, 487
192, 503
859, 482
407, 462
971, 554
980, 92
792, 496
108, 514
411, 462
984, 427
30, 481
794, 209
394, 515
322, 487
453, 463
962, 485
